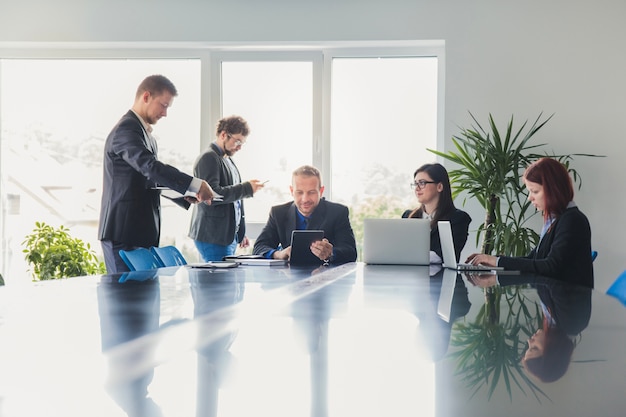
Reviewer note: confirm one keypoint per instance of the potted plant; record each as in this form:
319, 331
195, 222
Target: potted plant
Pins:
54, 253
492, 164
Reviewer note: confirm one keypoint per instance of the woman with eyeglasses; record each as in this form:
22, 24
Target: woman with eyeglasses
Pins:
433, 192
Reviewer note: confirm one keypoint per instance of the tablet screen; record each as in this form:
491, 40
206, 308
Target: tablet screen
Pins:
300, 247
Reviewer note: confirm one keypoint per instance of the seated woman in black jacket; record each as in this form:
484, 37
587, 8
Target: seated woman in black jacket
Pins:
564, 250
432, 189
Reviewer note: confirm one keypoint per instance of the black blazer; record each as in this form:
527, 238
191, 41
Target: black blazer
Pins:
216, 223
563, 253
330, 217
131, 210
459, 222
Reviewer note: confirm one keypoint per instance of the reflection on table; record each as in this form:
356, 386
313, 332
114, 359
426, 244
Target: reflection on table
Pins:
365, 340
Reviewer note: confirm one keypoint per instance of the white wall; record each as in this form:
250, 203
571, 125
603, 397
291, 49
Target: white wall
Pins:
502, 58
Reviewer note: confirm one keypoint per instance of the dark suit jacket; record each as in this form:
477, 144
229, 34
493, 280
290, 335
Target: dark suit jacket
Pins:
131, 210
563, 253
216, 223
459, 222
330, 217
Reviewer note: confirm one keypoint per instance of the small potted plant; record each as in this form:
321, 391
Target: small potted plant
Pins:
53, 253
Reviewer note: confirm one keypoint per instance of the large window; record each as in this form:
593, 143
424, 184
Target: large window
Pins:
276, 97
383, 119
363, 116
55, 116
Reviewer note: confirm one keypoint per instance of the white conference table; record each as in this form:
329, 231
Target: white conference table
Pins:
352, 340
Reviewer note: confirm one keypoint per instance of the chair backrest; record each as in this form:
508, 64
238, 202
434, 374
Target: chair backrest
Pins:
618, 288
594, 255
169, 255
140, 259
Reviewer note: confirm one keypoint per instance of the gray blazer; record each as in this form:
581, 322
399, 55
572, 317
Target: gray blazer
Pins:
216, 223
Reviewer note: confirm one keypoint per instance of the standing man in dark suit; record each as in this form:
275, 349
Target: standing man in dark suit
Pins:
217, 229
308, 210
130, 215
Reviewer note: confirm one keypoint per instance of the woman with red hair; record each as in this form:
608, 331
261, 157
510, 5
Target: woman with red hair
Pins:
564, 249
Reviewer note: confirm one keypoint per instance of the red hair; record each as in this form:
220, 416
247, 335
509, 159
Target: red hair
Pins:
558, 190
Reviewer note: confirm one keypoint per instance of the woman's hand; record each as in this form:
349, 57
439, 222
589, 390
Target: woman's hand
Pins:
481, 259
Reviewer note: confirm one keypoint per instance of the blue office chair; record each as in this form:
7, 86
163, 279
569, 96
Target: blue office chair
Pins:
168, 255
140, 259
618, 288
594, 255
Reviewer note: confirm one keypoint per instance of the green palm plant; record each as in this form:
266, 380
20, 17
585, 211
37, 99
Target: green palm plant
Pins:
492, 164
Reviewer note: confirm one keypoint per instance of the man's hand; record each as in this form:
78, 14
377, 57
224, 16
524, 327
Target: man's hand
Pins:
256, 185
323, 249
282, 254
205, 193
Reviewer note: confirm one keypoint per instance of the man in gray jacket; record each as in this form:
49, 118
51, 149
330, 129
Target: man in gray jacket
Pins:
217, 228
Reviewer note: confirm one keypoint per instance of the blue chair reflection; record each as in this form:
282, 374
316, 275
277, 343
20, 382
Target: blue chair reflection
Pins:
140, 259
618, 288
140, 276
169, 255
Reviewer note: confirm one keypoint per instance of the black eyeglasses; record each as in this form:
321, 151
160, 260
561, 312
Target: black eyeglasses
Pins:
421, 184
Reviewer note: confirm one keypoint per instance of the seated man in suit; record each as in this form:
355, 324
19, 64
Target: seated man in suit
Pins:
308, 210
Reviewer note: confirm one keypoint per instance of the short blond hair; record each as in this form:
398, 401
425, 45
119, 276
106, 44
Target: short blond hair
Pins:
308, 171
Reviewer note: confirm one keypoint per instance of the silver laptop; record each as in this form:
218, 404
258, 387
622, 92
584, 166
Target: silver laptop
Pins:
449, 255
396, 241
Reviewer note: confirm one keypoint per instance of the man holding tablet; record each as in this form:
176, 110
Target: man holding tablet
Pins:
308, 211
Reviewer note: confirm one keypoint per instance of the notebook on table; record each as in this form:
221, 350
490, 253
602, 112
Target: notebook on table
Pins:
396, 241
449, 255
254, 260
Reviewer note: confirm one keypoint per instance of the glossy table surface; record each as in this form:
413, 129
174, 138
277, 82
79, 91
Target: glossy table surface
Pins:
354, 340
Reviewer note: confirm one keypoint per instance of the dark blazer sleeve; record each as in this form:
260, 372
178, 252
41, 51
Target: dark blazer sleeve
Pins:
279, 225
563, 253
127, 142
130, 208
338, 231
216, 223
212, 168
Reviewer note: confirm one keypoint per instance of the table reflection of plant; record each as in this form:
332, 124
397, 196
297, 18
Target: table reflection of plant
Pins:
488, 350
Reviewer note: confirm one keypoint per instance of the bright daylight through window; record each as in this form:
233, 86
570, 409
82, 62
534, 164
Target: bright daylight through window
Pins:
55, 116
365, 118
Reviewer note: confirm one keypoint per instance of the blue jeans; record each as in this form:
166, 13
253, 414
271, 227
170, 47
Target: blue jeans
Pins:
213, 252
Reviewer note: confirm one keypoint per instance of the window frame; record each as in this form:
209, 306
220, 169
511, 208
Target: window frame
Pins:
211, 55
